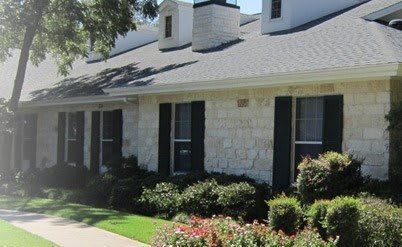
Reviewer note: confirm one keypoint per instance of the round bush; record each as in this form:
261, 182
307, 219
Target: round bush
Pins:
285, 213
343, 220
380, 224
164, 200
236, 199
330, 175
317, 215
200, 198
123, 194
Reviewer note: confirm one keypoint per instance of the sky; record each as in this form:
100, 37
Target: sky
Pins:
246, 6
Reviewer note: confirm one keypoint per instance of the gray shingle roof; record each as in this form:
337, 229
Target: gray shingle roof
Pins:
341, 40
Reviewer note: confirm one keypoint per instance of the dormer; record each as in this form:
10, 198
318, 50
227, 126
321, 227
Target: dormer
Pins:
175, 24
280, 15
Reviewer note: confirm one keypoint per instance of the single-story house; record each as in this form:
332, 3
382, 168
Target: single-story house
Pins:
221, 91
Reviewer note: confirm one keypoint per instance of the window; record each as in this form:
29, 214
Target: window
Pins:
309, 128
168, 26
276, 9
28, 131
71, 140
182, 138
309, 120
106, 136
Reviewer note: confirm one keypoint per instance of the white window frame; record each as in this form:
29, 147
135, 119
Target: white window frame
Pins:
102, 139
294, 134
174, 140
23, 137
67, 139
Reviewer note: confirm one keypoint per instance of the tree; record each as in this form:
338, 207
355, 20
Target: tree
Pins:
6, 130
64, 29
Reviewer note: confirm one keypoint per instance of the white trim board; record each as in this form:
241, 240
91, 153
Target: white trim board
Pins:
370, 72
381, 13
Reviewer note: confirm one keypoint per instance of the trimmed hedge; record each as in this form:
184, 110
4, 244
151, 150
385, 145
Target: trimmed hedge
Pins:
285, 213
331, 175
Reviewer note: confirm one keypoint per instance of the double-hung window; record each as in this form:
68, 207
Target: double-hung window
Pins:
71, 140
106, 137
309, 127
276, 9
182, 138
168, 26
28, 140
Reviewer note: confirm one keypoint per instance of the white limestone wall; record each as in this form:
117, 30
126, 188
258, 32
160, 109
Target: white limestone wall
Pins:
47, 130
215, 25
239, 140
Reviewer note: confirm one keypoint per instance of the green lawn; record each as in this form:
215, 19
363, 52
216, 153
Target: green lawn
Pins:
11, 236
129, 225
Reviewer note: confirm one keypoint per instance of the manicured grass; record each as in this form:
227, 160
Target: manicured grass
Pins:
11, 236
135, 227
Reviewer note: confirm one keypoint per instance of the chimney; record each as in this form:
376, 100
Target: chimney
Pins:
216, 22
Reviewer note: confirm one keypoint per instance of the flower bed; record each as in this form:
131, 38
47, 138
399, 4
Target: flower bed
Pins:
225, 232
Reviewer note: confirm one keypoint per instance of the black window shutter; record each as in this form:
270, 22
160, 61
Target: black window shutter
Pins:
61, 138
333, 123
117, 133
165, 117
33, 121
18, 143
80, 138
197, 135
95, 142
282, 143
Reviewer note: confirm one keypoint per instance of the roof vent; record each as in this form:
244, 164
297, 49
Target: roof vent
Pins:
397, 23
216, 22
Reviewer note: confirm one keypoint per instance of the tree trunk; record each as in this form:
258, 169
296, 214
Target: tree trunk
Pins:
22, 66
29, 36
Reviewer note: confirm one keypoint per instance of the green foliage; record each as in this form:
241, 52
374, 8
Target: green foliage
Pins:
394, 118
225, 232
236, 199
285, 213
380, 224
6, 117
123, 192
164, 200
201, 198
98, 190
342, 220
64, 176
64, 26
317, 216
330, 175
123, 168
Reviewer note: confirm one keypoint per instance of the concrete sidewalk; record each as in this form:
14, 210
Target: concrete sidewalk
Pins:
64, 232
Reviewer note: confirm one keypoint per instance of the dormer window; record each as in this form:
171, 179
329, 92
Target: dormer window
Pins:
168, 26
276, 9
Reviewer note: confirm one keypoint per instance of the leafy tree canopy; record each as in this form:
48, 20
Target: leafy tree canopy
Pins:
63, 29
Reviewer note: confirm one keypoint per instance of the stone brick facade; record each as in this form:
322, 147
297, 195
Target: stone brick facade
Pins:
47, 130
239, 140
215, 25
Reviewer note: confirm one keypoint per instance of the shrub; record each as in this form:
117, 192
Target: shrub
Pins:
380, 224
123, 193
236, 199
124, 167
285, 213
200, 198
330, 175
98, 190
225, 232
164, 200
74, 196
64, 176
342, 220
317, 215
